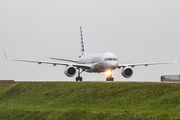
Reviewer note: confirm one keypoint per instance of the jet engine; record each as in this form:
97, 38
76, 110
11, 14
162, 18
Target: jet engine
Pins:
70, 71
127, 72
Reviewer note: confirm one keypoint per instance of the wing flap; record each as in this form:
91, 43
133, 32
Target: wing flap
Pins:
86, 66
63, 59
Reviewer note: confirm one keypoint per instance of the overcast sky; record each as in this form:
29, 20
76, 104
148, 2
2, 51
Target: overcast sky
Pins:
135, 30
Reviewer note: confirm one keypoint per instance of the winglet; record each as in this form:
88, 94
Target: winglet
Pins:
176, 59
5, 54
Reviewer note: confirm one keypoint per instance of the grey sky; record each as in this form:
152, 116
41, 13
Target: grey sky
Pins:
135, 30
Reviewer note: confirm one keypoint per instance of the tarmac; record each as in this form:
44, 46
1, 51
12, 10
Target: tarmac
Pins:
172, 81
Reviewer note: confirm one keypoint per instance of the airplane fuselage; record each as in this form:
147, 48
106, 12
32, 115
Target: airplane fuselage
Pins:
99, 62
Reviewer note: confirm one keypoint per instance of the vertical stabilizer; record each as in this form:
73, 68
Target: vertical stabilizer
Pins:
83, 50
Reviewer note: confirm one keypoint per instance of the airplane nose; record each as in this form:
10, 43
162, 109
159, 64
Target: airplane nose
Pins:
112, 65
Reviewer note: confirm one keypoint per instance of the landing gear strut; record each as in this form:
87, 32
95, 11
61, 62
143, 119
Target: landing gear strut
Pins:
79, 78
110, 78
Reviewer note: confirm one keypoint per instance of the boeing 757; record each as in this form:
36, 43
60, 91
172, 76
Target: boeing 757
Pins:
93, 63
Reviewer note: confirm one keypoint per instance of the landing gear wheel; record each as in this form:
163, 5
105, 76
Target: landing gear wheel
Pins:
110, 79
78, 78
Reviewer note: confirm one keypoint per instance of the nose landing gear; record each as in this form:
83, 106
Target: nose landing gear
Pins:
109, 78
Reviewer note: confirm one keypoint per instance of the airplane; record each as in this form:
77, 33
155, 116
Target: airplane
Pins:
93, 63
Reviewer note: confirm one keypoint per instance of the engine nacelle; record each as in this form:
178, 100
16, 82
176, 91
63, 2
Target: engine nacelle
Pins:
70, 71
127, 72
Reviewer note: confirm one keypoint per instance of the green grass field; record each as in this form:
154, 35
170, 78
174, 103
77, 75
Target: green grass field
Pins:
89, 100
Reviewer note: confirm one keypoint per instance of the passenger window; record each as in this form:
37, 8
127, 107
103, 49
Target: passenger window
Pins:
110, 59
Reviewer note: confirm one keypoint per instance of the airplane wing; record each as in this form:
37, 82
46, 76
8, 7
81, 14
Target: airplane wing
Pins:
86, 66
146, 64
63, 59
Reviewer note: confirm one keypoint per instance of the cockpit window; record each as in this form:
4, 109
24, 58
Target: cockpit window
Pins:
110, 59
105, 59
114, 59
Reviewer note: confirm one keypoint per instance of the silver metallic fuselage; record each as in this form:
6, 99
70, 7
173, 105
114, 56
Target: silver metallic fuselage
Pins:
100, 62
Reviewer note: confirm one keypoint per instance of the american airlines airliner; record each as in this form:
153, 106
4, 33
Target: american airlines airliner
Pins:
94, 63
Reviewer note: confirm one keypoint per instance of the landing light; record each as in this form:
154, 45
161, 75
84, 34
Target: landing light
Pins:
108, 72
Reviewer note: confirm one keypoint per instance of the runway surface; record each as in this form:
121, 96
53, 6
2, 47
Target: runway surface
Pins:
96, 81
89, 81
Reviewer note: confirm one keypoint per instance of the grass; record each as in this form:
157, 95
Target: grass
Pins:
89, 100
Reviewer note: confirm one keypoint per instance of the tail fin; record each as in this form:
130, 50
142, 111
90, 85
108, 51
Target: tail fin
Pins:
83, 50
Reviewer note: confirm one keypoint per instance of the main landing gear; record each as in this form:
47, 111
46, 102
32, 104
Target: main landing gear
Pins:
109, 78
79, 78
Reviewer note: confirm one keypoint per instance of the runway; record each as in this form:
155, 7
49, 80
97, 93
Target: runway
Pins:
89, 81
175, 81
